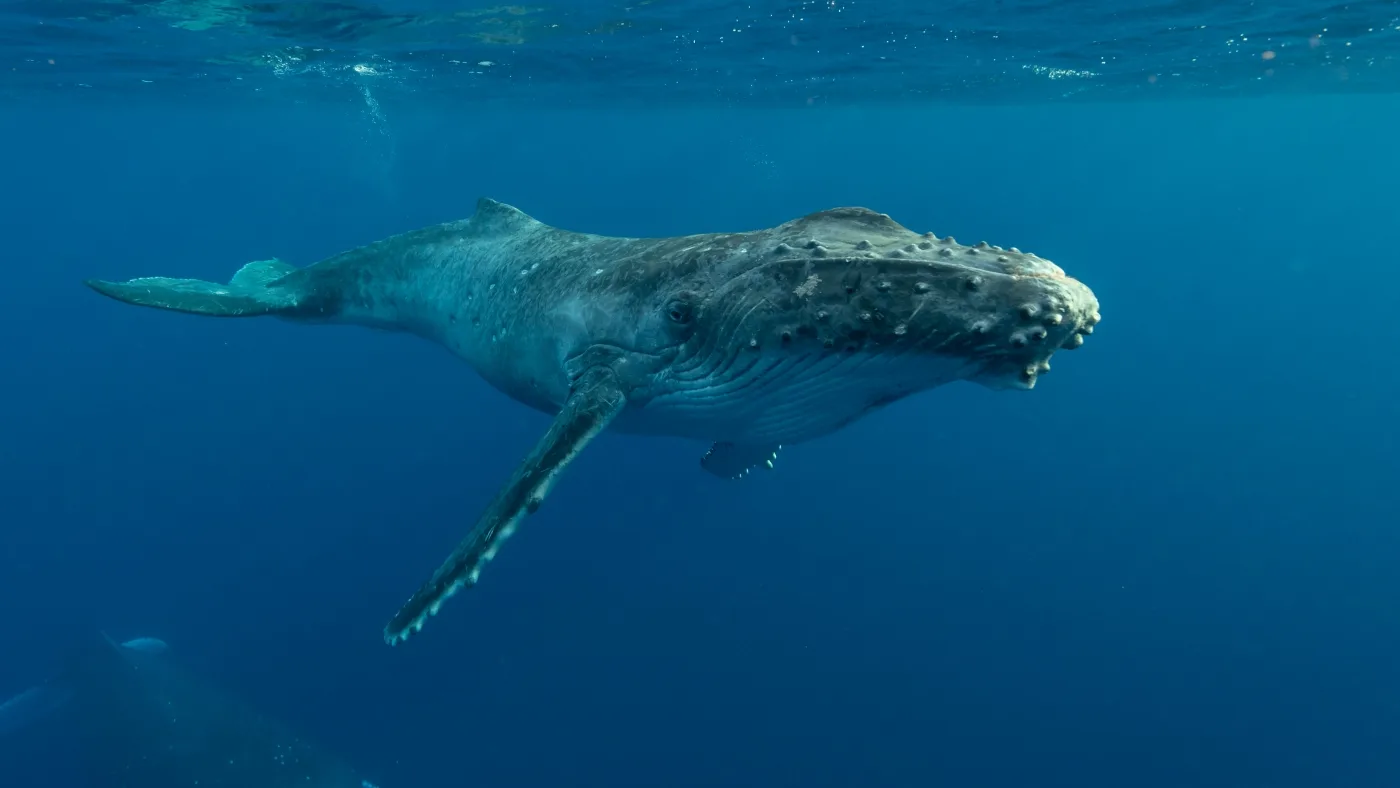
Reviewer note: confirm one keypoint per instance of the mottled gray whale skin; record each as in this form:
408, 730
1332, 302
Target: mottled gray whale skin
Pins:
751, 340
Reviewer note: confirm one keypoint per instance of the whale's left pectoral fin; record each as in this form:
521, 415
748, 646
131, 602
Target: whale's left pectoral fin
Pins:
597, 398
737, 460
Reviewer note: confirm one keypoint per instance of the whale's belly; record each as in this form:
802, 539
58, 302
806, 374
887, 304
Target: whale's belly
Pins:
788, 400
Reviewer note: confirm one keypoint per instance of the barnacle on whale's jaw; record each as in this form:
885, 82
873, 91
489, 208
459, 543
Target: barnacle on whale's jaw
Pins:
1043, 314
1029, 352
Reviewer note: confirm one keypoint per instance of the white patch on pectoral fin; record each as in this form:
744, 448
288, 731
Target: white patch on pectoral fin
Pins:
734, 460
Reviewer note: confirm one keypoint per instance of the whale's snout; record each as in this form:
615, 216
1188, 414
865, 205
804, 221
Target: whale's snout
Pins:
1040, 314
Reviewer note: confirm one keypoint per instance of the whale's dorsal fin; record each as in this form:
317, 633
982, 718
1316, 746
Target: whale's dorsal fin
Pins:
493, 217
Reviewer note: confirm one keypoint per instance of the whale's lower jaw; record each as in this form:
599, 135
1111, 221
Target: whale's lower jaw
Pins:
789, 399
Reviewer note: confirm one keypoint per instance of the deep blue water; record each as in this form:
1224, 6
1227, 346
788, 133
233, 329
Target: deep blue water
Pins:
1172, 563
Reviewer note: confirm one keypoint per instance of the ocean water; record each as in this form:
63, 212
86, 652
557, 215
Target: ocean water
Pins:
1173, 563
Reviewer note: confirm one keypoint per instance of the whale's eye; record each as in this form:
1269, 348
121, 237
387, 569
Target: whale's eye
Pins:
679, 310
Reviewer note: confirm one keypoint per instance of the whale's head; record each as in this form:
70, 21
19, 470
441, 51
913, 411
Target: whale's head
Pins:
818, 320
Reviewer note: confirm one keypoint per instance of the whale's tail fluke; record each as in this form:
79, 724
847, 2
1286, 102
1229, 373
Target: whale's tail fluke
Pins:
259, 288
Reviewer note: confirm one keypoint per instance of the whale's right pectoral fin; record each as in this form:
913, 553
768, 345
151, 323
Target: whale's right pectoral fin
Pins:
253, 291
597, 398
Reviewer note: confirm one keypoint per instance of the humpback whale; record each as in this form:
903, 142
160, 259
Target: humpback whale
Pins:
747, 340
141, 720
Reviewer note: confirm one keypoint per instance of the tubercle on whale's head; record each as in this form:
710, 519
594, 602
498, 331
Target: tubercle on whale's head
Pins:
849, 280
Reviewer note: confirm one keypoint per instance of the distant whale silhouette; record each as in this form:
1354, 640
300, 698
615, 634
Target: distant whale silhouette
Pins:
36, 703
143, 722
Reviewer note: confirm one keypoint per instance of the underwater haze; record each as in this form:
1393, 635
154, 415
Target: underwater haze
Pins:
1172, 563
